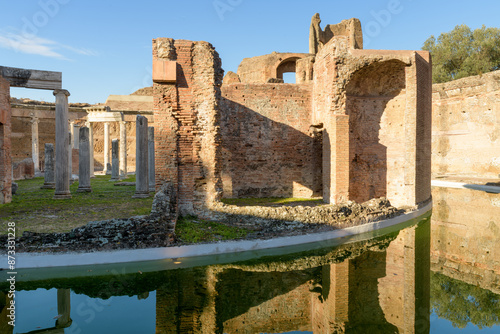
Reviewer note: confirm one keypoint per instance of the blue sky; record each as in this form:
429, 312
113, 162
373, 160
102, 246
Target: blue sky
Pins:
104, 47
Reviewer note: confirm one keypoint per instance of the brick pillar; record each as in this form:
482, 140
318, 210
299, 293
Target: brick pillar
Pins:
187, 77
418, 136
331, 314
417, 278
336, 159
5, 144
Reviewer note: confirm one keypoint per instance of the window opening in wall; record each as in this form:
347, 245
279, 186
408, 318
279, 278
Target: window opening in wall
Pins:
289, 77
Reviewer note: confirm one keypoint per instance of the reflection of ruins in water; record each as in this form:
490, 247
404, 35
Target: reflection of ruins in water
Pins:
376, 286
465, 256
373, 286
379, 286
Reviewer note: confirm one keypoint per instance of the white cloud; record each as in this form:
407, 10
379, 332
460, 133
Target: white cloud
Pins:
13, 40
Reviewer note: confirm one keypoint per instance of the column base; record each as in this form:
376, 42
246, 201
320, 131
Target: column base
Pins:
141, 195
64, 195
114, 179
84, 190
48, 186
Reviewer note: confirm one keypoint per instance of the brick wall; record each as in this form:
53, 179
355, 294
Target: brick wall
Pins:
187, 142
424, 127
464, 246
268, 149
466, 127
385, 97
5, 143
375, 104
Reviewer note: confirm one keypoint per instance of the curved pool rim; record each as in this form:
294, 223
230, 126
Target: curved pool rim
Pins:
36, 266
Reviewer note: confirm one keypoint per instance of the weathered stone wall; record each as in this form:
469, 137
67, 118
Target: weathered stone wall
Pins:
376, 99
186, 115
22, 117
262, 68
466, 127
374, 107
5, 143
464, 246
130, 102
334, 123
268, 147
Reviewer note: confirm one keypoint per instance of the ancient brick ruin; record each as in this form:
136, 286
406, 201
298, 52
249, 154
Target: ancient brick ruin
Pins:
356, 124
5, 143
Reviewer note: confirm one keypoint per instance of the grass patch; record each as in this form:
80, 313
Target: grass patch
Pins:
190, 229
272, 201
34, 209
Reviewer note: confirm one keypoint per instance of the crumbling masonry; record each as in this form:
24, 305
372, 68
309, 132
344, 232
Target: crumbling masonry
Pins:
356, 124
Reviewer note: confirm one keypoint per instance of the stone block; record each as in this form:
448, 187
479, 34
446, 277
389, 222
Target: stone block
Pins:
164, 71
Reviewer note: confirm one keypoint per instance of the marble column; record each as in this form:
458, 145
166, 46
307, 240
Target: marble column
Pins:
141, 158
62, 144
84, 161
76, 137
34, 143
115, 171
123, 150
151, 157
72, 129
64, 308
91, 146
70, 158
106, 147
49, 167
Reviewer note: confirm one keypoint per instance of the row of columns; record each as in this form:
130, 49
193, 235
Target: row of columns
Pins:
74, 143
61, 174
122, 145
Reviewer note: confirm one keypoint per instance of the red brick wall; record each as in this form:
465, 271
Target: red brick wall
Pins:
466, 127
187, 141
424, 127
376, 104
267, 146
5, 143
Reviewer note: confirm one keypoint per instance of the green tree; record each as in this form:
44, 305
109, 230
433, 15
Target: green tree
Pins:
462, 52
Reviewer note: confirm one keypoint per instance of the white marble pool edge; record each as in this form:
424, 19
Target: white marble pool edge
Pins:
462, 185
44, 260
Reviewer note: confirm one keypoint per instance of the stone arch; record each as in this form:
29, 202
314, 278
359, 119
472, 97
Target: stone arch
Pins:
376, 103
287, 65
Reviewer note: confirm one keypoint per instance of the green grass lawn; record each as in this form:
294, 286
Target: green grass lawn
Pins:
190, 229
272, 201
34, 209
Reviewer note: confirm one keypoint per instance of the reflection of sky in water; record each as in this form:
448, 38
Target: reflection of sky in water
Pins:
445, 326
118, 314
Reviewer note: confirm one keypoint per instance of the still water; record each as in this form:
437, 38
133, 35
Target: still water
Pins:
441, 275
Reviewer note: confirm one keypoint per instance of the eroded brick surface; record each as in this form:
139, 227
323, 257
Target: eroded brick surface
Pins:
186, 115
5, 143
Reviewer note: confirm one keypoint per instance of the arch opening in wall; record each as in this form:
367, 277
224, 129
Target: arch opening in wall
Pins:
376, 104
286, 70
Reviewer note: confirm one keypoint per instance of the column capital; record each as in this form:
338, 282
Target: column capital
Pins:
60, 91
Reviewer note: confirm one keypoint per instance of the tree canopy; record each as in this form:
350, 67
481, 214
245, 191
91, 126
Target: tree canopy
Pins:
462, 52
